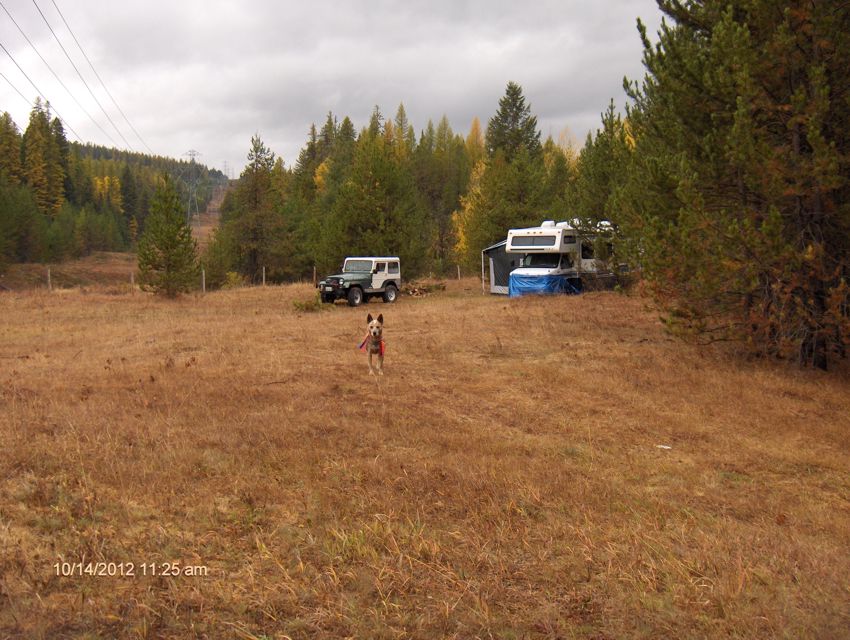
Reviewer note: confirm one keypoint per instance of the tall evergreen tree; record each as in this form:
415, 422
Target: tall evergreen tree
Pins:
57, 160
36, 143
475, 149
10, 150
258, 224
129, 194
513, 127
378, 211
21, 233
601, 171
406, 133
509, 189
502, 195
559, 179
738, 195
167, 251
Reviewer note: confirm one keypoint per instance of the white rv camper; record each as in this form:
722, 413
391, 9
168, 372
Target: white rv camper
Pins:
551, 258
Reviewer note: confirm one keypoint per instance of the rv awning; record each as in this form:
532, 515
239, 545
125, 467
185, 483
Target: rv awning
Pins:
495, 246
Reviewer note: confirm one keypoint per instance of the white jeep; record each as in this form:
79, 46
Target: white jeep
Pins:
363, 278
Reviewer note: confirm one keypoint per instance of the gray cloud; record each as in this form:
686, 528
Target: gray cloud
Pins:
208, 75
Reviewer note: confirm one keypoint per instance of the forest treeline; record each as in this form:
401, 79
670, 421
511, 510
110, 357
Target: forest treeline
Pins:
61, 199
430, 198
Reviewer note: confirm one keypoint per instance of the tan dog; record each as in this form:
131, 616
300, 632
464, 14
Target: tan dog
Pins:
373, 343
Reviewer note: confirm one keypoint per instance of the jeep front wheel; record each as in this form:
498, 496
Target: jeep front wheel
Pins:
355, 296
390, 293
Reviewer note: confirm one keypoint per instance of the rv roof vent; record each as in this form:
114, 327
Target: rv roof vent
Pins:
563, 225
548, 223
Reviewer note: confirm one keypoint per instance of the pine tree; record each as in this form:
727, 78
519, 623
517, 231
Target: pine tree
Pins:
405, 132
305, 168
502, 195
36, 141
509, 188
601, 169
327, 135
378, 211
10, 150
376, 122
20, 232
255, 182
513, 127
57, 163
167, 252
475, 149
253, 214
737, 196
129, 194
559, 179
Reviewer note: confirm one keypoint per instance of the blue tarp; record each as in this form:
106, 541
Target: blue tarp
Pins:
520, 285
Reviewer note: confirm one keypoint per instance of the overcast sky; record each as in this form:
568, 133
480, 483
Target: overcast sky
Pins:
197, 74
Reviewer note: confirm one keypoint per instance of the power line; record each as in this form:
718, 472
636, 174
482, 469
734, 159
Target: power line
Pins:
96, 123
97, 75
27, 100
121, 135
193, 187
61, 119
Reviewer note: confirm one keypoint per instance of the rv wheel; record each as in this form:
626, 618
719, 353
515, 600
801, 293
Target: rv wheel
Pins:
355, 296
391, 293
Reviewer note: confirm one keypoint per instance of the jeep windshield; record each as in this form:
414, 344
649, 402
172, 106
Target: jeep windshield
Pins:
357, 265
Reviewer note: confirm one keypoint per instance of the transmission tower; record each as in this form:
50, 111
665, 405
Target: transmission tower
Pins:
193, 187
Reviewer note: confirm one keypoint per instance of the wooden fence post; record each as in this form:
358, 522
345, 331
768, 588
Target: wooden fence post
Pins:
49, 282
203, 281
264, 276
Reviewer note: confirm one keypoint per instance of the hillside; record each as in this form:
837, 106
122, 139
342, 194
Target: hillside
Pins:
109, 268
535, 468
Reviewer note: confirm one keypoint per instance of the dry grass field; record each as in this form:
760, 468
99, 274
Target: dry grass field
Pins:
503, 480
204, 225
99, 268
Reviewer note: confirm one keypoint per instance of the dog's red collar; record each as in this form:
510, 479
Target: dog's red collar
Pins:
362, 346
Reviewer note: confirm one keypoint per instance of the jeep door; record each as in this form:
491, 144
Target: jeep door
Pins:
379, 275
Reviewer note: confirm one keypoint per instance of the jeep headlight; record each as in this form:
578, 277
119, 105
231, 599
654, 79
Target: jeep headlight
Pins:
341, 281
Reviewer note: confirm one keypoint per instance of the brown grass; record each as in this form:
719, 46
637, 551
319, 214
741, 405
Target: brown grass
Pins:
207, 222
502, 480
100, 268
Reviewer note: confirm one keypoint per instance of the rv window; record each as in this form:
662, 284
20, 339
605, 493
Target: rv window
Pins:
586, 250
534, 241
541, 260
569, 239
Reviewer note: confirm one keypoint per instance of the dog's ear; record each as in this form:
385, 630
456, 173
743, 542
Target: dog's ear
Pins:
381, 318
369, 318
